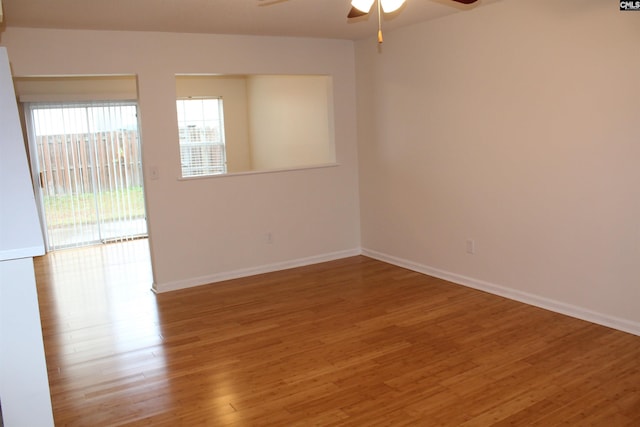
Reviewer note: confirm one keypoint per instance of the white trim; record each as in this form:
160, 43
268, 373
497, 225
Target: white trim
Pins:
524, 297
252, 271
23, 252
258, 172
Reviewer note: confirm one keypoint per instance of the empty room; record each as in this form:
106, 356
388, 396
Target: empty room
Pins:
329, 213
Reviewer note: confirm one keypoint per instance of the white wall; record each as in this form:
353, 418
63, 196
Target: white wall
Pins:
77, 88
208, 229
514, 125
24, 388
24, 385
290, 123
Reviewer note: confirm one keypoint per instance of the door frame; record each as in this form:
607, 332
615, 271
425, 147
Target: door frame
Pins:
37, 176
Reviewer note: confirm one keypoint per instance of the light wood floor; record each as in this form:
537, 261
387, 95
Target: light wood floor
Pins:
354, 342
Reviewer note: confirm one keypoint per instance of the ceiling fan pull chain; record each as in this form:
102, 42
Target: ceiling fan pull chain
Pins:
380, 40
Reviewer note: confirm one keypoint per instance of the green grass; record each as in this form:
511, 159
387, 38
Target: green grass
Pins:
68, 209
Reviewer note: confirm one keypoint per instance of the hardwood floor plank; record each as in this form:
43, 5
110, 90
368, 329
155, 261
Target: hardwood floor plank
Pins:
351, 342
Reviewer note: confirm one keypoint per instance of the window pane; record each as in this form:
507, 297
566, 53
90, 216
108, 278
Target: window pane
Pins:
201, 133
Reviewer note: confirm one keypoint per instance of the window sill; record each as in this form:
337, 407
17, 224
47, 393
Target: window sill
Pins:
259, 172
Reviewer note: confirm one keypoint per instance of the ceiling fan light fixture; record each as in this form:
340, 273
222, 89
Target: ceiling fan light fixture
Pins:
389, 6
362, 5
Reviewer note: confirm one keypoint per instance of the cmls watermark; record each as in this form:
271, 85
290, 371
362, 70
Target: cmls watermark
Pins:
629, 5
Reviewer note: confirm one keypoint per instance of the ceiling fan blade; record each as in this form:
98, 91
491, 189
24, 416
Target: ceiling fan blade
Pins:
465, 1
270, 2
356, 13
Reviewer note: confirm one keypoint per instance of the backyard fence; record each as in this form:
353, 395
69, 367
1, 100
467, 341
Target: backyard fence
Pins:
89, 162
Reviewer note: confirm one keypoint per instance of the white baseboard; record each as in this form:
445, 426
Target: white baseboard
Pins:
252, 271
527, 298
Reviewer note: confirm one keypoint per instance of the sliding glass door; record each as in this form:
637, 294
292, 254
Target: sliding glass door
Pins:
86, 157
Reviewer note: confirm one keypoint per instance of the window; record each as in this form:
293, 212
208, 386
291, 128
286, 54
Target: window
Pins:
201, 129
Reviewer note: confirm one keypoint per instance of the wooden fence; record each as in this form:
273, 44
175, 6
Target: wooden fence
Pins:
89, 162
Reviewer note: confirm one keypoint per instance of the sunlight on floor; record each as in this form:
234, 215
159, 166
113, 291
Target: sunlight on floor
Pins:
103, 292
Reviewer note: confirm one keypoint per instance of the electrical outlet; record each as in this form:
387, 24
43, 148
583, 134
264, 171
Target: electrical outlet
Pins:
471, 246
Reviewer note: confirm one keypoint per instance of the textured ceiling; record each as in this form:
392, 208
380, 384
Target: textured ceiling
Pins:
298, 18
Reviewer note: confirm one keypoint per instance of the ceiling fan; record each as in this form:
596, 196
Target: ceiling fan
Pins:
363, 7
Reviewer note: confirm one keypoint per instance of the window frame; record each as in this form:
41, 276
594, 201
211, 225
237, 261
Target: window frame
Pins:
199, 146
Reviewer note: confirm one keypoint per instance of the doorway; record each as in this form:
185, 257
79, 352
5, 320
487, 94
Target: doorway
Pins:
86, 158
